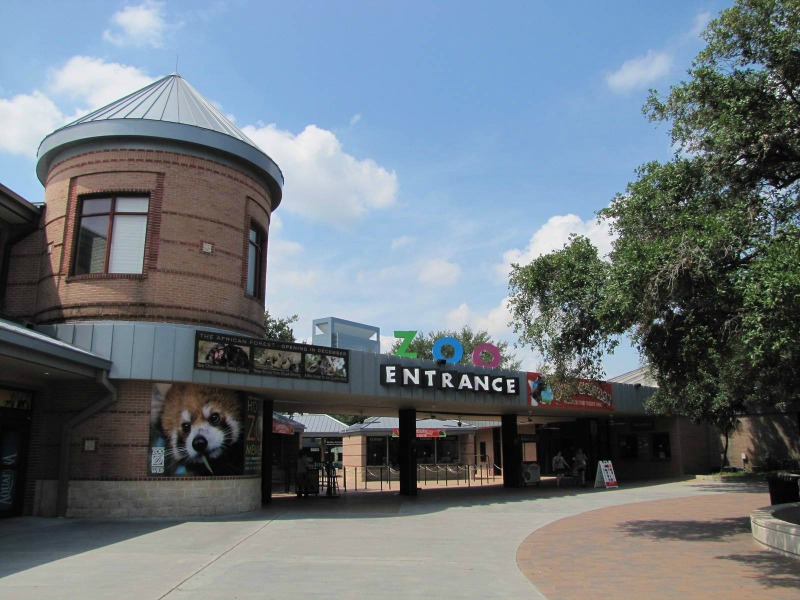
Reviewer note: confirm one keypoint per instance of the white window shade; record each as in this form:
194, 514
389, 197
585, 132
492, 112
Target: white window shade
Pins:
127, 244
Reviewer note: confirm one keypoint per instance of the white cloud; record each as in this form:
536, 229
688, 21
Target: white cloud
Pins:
355, 119
403, 240
25, 120
96, 82
387, 341
141, 25
496, 323
552, 236
701, 21
89, 82
639, 72
439, 272
323, 182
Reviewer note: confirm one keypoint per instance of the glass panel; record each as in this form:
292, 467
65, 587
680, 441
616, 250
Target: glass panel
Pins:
254, 235
251, 270
426, 453
126, 205
96, 205
447, 450
127, 244
92, 241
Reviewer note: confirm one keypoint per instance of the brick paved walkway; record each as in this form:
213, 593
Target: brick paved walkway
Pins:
697, 547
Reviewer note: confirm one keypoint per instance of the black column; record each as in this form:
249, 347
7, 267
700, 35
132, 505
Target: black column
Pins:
266, 453
512, 452
407, 452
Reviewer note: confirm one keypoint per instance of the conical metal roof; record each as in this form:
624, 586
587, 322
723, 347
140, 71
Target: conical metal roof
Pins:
169, 109
172, 99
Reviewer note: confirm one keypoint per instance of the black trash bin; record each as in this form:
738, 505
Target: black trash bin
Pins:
784, 487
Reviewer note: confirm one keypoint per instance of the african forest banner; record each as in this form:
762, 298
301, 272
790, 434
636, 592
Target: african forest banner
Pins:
239, 354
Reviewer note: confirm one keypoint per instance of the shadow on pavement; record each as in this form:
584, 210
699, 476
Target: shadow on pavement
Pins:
688, 531
774, 570
27, 542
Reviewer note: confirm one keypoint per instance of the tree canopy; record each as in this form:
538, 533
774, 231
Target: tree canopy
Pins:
279, 328
705, 269
422, 345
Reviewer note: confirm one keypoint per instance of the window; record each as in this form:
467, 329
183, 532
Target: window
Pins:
255, 248
661, 449
628, 446
376, 451
111, 235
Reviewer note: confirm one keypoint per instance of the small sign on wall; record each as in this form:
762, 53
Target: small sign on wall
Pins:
605, 475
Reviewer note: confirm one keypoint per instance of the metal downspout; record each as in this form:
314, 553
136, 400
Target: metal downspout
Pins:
66, 434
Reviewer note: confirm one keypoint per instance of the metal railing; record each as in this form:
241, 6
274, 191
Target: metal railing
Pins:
383, 477
388, 477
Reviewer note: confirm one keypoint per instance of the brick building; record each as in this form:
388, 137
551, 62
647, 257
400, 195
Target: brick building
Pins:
156, 221
133, 376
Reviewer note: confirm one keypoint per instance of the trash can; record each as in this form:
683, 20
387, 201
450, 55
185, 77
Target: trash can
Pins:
784, 487
530, 473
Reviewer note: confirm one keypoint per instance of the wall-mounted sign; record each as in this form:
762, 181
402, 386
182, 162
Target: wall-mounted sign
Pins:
253, 434
238, 354
203, 431
282, 428
424, 432
436, 379
592, 395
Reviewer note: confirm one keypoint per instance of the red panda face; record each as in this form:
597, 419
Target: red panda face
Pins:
199, 422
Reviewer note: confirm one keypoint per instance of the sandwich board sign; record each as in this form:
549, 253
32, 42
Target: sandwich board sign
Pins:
605, 475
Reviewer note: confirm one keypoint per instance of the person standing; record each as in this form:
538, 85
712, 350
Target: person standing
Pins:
303, 464
580, 464
560, 466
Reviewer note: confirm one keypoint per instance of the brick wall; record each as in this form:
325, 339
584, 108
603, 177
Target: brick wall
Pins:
121, 435
27, 257
193, 201
767, 441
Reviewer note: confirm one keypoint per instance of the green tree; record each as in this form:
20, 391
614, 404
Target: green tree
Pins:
705, 270
422, 345
279, 328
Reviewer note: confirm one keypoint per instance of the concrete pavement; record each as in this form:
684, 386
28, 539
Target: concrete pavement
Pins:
445, 543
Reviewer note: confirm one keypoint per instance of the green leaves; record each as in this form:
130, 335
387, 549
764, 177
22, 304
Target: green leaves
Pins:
280, 328
558, 306
705, 270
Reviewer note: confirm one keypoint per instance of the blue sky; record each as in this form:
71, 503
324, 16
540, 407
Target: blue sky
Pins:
425, 145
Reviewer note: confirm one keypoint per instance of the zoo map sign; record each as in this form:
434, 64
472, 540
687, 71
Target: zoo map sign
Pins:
239, 354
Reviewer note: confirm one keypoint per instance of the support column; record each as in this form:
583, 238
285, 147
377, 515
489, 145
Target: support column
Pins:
407, 452
266, 453
512, 452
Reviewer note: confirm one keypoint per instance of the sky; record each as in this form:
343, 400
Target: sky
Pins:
426, 146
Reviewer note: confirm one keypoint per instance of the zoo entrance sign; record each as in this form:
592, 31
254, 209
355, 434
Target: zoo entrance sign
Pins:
436, 379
